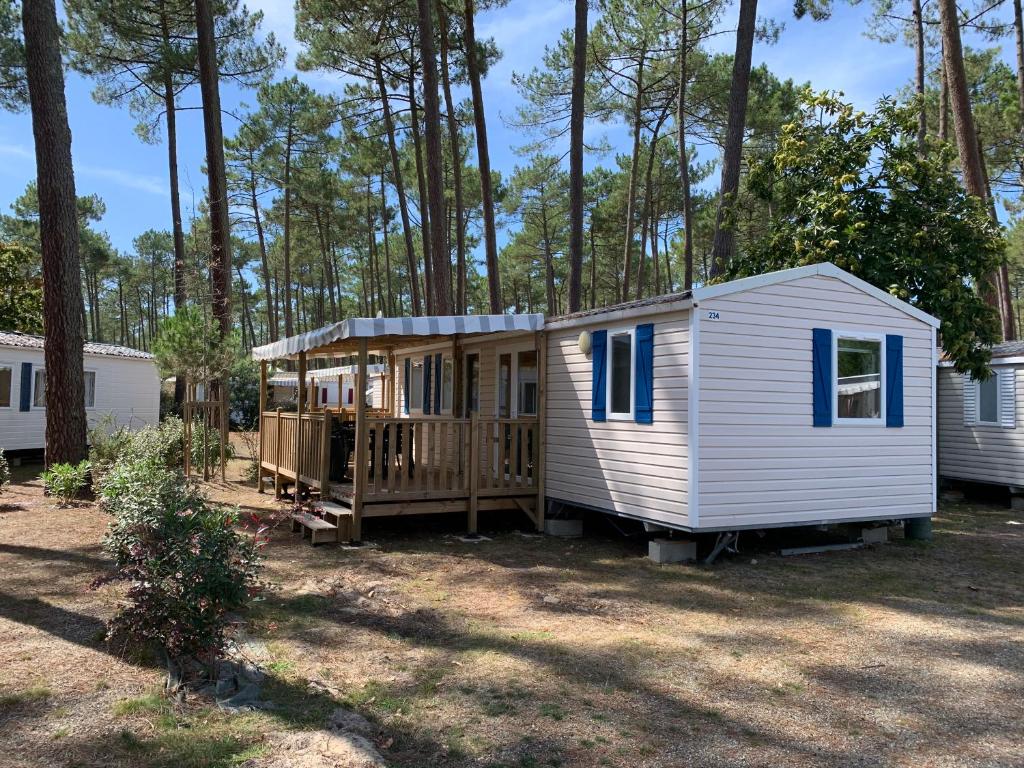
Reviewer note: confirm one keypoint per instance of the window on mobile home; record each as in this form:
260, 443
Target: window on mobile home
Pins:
415, 385
988, 400
6, 376
859, 372
620, 390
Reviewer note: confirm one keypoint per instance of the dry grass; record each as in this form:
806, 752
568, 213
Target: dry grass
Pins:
527, 651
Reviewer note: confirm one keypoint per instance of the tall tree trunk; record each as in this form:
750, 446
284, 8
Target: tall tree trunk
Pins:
549, 267
1002, 277
576, 117
484, 162
403, 204
725, 239
684, 160
593, 267
217, 187
1018, 28
943, 99
385, 226
963, 126
421, 180
922, 115
58, 232
180, 295
264, 264
325, 260
655, 257
456, 152
648, 202
289, 327
627, 257
441, 260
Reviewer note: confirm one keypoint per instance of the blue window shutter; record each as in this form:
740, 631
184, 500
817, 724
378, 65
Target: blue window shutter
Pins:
426, 384
408, 382
599, 357
643, 389
437, 384
893, 381
822, 377
26, 387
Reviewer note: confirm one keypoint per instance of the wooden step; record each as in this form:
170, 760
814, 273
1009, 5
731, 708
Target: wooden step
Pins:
319, 530
341, 516
336, 510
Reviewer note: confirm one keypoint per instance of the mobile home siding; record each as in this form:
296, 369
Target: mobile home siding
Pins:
128, 388
979, 453
762, 462
633, 469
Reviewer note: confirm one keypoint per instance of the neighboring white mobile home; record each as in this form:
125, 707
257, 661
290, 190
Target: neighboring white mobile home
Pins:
325, 384
799, 397
981, 423
119, 381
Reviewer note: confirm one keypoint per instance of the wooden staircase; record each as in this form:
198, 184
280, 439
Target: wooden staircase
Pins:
333, 524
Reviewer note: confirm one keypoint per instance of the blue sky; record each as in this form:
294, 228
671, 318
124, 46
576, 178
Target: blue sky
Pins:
131, 176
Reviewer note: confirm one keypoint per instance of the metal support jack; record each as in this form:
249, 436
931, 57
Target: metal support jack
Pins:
727, 540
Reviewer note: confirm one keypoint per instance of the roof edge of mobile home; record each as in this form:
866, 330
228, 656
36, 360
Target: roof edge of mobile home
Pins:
684, 299
33, 341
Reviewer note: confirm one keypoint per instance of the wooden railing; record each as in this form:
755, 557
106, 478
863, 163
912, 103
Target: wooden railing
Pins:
408, 459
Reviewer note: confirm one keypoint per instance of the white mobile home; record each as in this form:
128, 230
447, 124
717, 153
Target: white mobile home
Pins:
119, 381
799, 397
325, 384
981, 423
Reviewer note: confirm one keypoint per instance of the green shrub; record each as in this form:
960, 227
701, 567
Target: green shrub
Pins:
186, 564
5, 471
165, 444
66, 481
107, 443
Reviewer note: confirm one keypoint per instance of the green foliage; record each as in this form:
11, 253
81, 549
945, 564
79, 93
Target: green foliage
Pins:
5, 471
13, 85
189, 345
107, 443
66, 482
850, 188
244, 393
186, 565
21, 290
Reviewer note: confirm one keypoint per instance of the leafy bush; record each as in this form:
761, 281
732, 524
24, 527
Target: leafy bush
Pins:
187, 565
161, 443
107, 443
66, 481
5, 471
244, 391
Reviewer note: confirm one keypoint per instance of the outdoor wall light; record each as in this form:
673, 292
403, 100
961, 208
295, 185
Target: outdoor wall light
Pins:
585, 342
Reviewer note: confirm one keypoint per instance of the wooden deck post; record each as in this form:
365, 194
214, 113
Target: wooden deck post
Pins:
542, 389
277, 456
392, 403
325, 454
474, 471
359, 470
186, 413
224, 426
259, 425
298, 425
341, 391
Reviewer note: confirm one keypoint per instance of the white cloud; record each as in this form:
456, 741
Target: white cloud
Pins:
139, 181
17, 150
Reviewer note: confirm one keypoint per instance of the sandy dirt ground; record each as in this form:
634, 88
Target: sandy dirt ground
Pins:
523, 651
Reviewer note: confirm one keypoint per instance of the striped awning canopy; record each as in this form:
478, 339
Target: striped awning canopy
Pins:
387, 333
291, 378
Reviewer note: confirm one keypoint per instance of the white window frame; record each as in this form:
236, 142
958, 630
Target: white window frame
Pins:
513, 350
858, 336
613, 332
36, 372
96, 381
417, 391
977, 402
10, 367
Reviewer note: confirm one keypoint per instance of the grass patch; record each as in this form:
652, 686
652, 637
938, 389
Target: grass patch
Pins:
15, 699
554, 711
150, 704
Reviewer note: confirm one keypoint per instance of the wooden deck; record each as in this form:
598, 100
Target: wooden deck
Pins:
403, 466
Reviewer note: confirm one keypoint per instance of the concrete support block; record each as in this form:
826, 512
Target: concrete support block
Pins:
564, 529
672, 550
874, 535
917, 529
1017, 502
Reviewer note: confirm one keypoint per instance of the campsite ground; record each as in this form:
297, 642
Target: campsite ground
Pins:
523, 651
